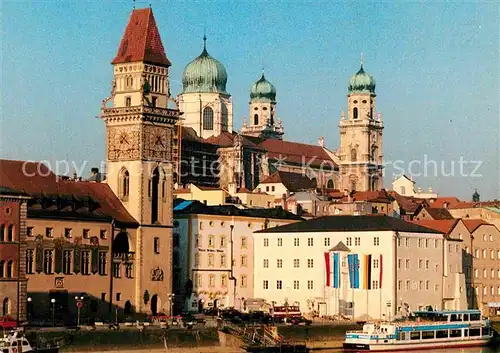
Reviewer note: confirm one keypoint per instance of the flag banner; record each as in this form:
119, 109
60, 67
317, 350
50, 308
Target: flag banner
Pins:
367, 272
381, 271
356, 270
327, 268
350, 263
336, 270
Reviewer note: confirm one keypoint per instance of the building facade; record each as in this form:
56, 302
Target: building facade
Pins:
13, 282
214, 253
373, 267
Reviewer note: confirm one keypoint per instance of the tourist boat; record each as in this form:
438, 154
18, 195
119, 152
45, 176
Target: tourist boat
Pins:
423, 330
16, 342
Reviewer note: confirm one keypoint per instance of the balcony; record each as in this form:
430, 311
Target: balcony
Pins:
124, 257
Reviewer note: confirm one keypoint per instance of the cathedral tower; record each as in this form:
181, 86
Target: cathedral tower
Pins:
204, 102
140, 130
262, 113
360, 166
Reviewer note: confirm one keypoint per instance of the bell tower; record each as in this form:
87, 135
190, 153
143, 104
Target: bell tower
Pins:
140, 154
360, 166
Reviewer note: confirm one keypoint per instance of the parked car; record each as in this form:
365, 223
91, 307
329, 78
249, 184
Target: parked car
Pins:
300, 320
7, 323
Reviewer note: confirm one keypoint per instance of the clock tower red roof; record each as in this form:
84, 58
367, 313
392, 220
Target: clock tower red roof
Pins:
141, 40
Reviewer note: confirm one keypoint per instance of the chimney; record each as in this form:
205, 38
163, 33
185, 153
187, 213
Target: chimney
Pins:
321, 141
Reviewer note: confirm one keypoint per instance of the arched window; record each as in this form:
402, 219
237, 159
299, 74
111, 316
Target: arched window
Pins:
2, 232
403, 190
6, 307
353, 186
329, 185
124, 182
9, 271
10, 233
374, 184
353, 155
355, 113
2, 269
371, 113
256, 119
224, 118
208, 119
374, 153
155, 181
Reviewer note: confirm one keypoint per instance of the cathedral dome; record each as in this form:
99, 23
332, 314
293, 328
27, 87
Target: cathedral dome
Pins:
362, 82
204, 74
262, 90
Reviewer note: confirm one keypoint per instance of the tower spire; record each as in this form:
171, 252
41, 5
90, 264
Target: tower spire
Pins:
133, 4
205, 39
361, 59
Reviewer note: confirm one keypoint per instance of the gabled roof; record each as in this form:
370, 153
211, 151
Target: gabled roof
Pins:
141, 41
292, 181
439, 213
340, 247
351, 224
297, 153
444, 226
368, 196
36, 180
408, 204
473, 224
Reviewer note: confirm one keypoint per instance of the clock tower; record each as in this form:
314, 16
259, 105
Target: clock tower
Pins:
140, 156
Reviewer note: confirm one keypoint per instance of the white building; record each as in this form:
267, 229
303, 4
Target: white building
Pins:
213, 252
405, 186
378, 266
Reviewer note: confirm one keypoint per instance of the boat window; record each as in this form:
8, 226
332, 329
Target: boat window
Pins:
442, 334
427, 335
415, 336
455, 333
466, 317
402, 336
475, 317
486, 331
474, 332
454, 317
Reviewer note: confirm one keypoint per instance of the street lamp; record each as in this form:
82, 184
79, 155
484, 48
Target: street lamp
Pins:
79, 304
171, 299
29, 308
53, 301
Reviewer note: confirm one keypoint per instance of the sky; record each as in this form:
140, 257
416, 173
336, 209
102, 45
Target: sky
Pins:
436, 65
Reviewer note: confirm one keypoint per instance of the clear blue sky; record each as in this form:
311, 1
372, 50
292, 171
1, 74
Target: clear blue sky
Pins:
436, 65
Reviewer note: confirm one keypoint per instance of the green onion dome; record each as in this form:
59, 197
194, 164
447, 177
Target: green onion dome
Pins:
262, 90
362, 82
204, 74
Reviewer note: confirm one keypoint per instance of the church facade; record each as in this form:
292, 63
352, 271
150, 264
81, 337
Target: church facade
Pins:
259, 148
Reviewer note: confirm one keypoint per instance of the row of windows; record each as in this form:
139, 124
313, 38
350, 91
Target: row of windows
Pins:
7, 269
296, 263
422, 264
487, 237
279, 284
223, 280
68, 233
213, 243
478, 253
67, 262
7, 233
487, 289
222, 260
492, 272
421, 243
420, 285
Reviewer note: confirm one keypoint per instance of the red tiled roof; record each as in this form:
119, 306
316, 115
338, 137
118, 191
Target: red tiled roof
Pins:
226, 139
297, 153
439, 213
36, 179
244, 190
182, 191
141, 40
440, 201
292, 181
473, 224
409, 204
471, 204
442, 225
